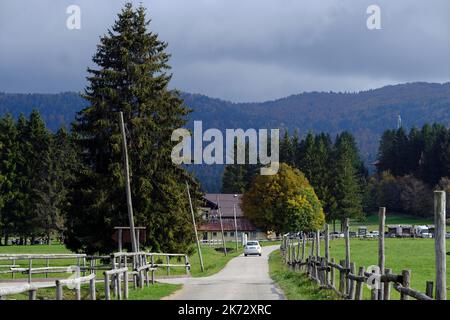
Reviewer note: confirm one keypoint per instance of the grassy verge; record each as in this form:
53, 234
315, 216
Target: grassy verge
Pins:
295, 285
213, 260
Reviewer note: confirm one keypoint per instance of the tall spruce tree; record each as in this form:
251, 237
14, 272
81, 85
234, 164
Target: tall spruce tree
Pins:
56, 174
8, 170
347, 186
131, 77
33, 143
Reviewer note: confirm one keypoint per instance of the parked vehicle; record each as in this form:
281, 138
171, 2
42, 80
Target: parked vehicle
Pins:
337, 234
373, 234
252, 248
422, 232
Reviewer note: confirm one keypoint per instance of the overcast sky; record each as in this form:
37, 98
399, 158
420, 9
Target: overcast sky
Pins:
240, 50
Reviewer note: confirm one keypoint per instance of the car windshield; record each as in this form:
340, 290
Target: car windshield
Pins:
252, 243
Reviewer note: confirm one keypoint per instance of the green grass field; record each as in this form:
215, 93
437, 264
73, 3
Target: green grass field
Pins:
414, 254
295, 285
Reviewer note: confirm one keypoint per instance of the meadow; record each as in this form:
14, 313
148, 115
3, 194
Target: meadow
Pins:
416, 255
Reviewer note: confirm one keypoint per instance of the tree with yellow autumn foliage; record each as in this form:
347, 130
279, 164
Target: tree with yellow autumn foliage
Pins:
284, 202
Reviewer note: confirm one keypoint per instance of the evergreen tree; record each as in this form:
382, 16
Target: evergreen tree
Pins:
8, 170
131, 77
286, 149
236, 177
56, 174
347, 186
307, 155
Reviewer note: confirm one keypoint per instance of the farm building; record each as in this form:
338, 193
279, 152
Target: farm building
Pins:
210, 229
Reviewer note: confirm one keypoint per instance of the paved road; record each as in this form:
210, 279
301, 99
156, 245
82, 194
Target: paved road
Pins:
244, 278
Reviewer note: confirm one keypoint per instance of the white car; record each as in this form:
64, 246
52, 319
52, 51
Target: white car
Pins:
252, 248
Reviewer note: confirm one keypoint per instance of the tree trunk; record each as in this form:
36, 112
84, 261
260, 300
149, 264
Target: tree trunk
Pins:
334, 225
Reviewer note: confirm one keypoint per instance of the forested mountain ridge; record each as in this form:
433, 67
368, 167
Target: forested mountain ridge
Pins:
366, 114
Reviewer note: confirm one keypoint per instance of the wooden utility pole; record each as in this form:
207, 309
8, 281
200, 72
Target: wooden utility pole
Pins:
127, 185
221, 226
235, 227
439, 241
195, 229
327, 243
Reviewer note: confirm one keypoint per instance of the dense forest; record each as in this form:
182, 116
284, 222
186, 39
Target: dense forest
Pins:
365, 114
333, 167
411, 165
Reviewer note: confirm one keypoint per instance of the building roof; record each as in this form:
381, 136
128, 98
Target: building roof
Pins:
226, 202
228, 225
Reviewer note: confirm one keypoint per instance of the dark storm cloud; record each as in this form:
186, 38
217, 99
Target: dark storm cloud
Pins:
235, 49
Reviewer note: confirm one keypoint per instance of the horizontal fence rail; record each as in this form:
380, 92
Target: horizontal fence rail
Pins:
118, 269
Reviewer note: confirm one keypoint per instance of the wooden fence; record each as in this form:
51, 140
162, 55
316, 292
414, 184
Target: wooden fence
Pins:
350, 282
117, 267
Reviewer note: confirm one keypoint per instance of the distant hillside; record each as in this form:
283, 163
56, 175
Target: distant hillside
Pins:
366, 114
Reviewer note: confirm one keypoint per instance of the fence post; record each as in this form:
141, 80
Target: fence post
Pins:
147, 278
32, 294
92, 289
125, 285
351, 291
186, 261
439, 240
59, 292
141, 279
406, 282
429, 289
327, 253
347, 250
381, 254
30, 264
332, 276
107, 289
312, 245
360, 285
168, 265
47, 264
78, 291
318, 243
113, 283
303, 246
342, 278
324, 271
12, 273
387, 286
